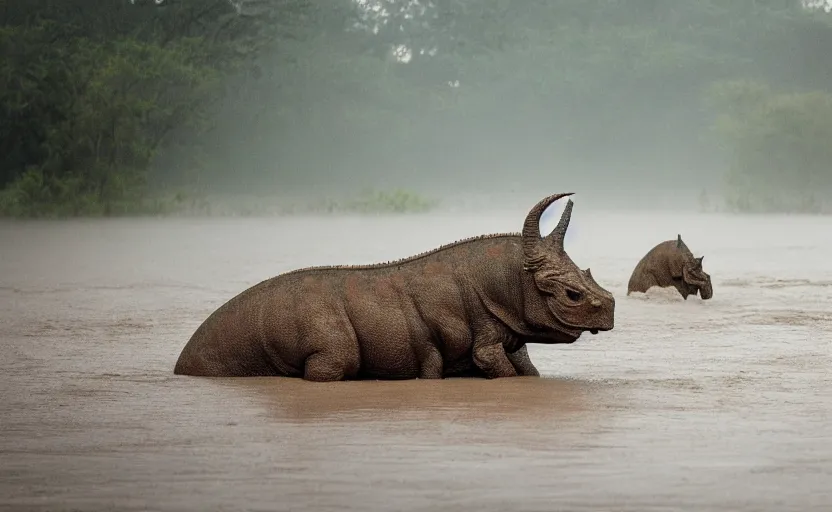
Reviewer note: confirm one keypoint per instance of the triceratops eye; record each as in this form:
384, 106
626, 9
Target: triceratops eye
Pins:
573, 295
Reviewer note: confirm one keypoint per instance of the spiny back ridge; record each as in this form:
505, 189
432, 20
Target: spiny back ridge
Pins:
407, 259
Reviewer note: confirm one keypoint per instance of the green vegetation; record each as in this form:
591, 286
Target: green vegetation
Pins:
111, 108
780, 146
30, 197
397, 201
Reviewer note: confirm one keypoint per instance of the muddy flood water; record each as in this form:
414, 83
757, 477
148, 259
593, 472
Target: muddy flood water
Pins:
686, 405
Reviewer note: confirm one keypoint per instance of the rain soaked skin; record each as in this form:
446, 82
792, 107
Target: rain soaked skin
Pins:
463, 309
671, 263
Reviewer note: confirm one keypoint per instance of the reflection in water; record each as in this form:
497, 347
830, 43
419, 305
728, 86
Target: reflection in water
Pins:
718, 405
522, 399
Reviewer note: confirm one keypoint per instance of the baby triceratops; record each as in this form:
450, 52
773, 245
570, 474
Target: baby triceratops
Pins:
669, 264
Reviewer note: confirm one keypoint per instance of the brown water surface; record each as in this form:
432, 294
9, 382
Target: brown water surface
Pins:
716, 405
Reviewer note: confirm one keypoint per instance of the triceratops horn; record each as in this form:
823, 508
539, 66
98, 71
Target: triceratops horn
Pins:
681, 244
559, 233
589, 276
531, 226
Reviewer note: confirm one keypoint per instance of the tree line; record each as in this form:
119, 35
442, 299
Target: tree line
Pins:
108, 104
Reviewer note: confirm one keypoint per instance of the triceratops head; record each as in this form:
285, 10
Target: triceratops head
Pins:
574, 302
693, 274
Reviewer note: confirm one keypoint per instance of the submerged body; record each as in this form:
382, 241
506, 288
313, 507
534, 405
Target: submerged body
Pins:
671, 264
464, 309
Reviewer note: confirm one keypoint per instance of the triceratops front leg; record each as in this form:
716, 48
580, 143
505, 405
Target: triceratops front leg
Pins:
523, 363
490, 355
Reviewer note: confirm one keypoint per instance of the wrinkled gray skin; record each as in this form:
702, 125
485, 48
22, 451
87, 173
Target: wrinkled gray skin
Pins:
464, 309
671, 264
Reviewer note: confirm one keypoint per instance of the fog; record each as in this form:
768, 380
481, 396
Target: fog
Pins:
259, 106
452, 100
159, 157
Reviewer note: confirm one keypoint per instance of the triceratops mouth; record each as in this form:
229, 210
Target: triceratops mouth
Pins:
570, 332
564, 334
577, 330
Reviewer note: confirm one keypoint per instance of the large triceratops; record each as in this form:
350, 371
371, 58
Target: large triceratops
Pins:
671, 263
465, 308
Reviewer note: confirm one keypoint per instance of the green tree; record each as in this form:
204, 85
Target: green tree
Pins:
779, 147
107, 103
